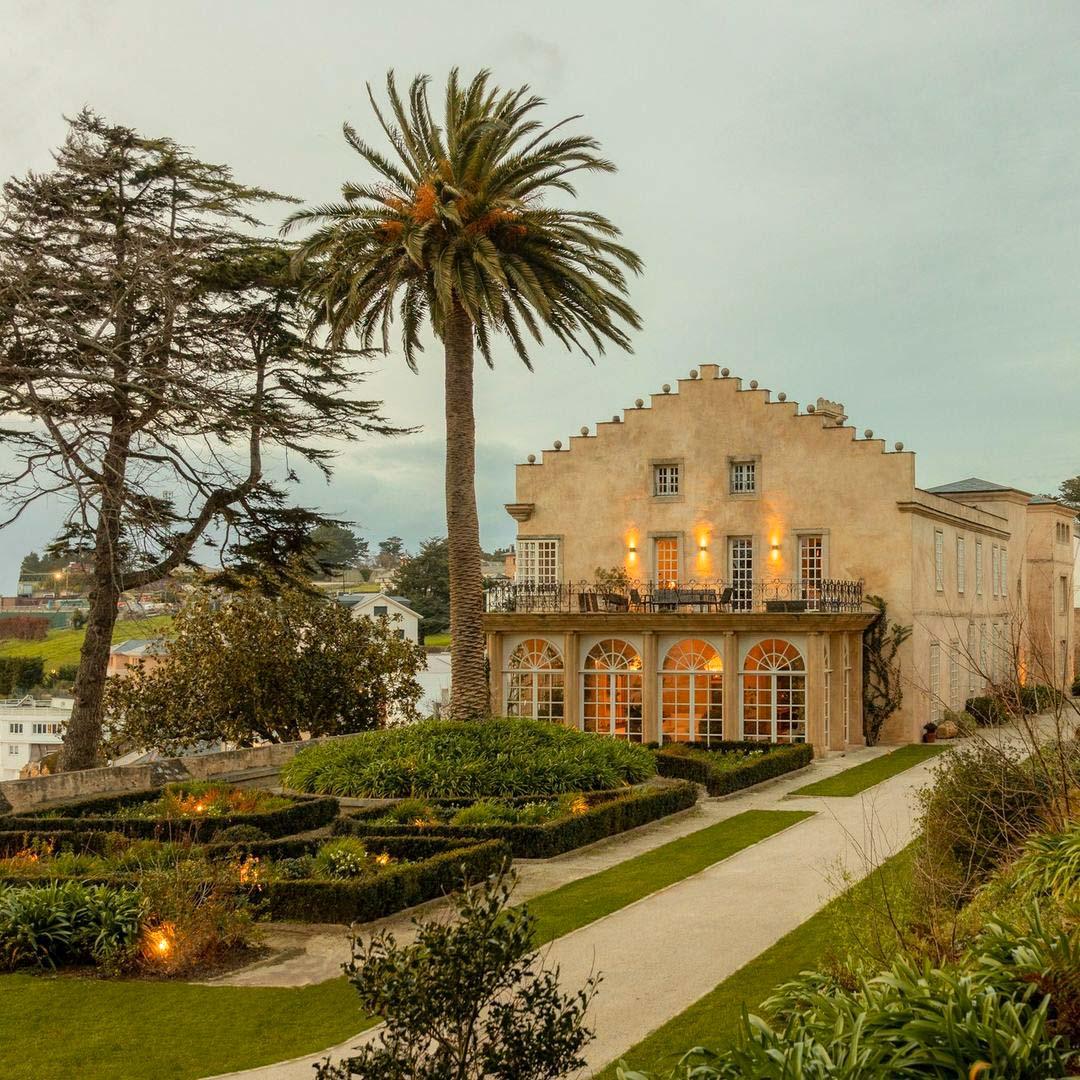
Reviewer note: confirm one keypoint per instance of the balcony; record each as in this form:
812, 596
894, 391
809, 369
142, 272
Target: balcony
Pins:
700, 597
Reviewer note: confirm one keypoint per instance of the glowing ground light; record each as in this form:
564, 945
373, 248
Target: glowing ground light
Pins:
161, 942
579, 805
384, 859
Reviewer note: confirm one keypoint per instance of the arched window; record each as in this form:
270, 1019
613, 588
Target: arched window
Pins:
611, 690
534, 681
692, 693
774, 693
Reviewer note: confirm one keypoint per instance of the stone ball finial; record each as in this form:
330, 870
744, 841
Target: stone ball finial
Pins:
584, 431
753, 384
558, 445
898, 446
666, 388
781, 396
868, 433
531, 459
639, 403
811, 409
725, 372
693, 373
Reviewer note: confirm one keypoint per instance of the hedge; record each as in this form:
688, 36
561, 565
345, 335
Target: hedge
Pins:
696, 765
305, 813
607, 818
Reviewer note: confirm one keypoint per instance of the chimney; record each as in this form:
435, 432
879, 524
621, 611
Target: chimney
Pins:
832, 412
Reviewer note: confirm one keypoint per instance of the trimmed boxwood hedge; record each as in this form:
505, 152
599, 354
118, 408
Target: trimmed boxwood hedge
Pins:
306, 813
696, 766
607, 818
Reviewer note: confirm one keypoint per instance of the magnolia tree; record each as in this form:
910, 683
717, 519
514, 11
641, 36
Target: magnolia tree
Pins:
244, 668
153, 367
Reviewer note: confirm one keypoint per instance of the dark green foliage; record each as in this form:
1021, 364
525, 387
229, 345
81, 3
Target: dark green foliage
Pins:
392, 888
448, 759
304, 814
988, 711
712, 766
20, 673
424, 579
233, 833
883, 691
1037, 698
66, 922
606, 818
468, 999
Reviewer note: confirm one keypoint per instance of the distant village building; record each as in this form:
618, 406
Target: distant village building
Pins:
145, 651
30, 730
698, 568
404, 620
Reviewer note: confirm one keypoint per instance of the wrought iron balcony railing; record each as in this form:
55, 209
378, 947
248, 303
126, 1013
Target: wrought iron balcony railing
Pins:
573, 597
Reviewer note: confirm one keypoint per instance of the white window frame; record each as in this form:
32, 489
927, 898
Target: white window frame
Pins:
954, 675
15, 729
810, 585
742, 475
972, 658
995, 571
539, 561
1003, 558
978, 568
939, 560
961, 565
666, 479
740, 566
676, 578
935, 681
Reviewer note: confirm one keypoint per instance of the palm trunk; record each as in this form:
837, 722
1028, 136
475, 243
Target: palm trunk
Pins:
469, 697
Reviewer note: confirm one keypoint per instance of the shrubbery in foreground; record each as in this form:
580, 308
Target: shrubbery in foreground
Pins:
447, 759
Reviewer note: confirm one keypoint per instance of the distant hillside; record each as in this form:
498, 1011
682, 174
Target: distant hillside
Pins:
62, 647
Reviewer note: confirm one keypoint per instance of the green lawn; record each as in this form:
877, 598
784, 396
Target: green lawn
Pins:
713, 1020
438, 640
852, 781
127, 1030
588, 899
62, 646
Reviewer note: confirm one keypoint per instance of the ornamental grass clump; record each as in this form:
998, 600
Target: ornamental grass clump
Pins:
456, 759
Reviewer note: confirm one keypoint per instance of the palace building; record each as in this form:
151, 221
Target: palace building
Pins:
699, 569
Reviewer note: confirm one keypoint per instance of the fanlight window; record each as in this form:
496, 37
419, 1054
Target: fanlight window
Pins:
534, 681
774, 693
611, 690
692, 693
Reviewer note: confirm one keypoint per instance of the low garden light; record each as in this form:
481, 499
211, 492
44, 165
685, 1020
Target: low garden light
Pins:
160, 942
579, 805
384, 859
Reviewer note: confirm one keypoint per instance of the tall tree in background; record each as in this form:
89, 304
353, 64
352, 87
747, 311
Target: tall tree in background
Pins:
391, 551
458, 230
1069, 493
335, 548
157, 354
424, 580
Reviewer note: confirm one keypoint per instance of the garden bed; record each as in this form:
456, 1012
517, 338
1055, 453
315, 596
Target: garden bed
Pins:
726, 767
198, 810
583, 819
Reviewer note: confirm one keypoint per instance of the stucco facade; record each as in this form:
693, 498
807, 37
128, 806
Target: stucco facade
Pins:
716, 513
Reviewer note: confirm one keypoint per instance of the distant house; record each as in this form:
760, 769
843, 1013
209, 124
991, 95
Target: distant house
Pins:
404, 619
148, 651
30, 730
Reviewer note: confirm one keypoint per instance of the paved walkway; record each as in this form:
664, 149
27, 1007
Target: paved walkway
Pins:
663, 952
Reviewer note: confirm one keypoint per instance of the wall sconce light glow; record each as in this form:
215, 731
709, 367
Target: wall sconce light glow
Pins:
774, 550
703, 546
632, 547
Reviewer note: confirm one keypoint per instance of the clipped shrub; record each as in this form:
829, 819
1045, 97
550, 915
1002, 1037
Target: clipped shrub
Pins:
1037, 698
987, 711
584, 826
730, 766
239, 832
448, 759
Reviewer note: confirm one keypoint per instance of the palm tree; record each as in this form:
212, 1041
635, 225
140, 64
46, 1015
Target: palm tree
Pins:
457, 230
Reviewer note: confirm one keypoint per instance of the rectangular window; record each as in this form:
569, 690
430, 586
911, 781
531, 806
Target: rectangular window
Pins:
538, 562
961, 565
972, 658
935, 681
995, 571
665, 480
743, 477
667, 561
828, 690
996, 665
847, 690
1005, 572
14, 729
939, 560
984, 657
1063, 595
13, 750
978, 568
954, 675
741, 572
811, 566
381, 609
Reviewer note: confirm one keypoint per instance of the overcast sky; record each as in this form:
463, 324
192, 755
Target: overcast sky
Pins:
878, 203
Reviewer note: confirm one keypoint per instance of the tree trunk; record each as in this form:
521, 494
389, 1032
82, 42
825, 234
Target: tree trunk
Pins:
469, 698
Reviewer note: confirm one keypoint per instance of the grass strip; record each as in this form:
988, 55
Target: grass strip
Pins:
101, 1029
853, 781
714, 1020
62, 647
581, 902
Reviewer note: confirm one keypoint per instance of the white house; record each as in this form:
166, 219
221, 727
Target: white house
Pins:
404, 620
30, 729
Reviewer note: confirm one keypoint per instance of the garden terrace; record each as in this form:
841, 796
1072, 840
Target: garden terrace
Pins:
198, 809
726, 767
581, 820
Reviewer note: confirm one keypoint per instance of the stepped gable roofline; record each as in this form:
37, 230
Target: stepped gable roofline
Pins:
973, 486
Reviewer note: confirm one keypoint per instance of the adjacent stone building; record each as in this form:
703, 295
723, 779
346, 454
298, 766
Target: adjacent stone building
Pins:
698, 569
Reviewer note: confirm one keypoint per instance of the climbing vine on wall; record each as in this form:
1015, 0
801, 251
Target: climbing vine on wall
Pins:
882, 692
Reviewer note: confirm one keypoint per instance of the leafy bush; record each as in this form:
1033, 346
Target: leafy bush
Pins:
584, 824
988, 711
66, 922
729, 766
443, 758
1050, 865
20, 673
345, 858
205, 798
239, 832
1037, 697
